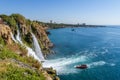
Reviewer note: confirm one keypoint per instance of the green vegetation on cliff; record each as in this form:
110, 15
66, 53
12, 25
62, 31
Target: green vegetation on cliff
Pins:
15, 66
27, 26
14, 59
14, 71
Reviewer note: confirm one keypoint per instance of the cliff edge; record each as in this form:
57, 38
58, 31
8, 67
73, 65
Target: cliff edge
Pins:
15, 62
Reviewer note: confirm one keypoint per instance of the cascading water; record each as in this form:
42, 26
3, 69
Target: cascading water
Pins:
37, 48
30, 51
18, 36
13, 37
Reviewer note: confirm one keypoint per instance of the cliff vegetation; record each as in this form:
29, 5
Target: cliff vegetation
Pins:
15, 64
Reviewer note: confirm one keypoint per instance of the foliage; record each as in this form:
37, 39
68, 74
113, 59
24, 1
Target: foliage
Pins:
13, 71
9, 21
2, 42
19, 18
28, 22
41, 23
4, 17
33, 26
18, 52
16, 73
27, 39
12, 22
6, 53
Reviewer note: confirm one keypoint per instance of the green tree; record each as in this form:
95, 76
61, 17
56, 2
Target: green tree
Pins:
4, 17
12, 22
19, 18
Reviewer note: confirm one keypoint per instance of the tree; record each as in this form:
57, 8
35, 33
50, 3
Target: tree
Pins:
4, 17
11, 22
19, 18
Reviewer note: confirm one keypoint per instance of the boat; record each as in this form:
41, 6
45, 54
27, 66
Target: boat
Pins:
83, 66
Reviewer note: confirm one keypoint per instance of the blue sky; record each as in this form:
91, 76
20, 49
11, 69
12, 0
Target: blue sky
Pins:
103, 12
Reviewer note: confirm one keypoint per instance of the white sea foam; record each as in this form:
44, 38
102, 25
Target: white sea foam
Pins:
62, 64
94, 64
112, 64
66, 65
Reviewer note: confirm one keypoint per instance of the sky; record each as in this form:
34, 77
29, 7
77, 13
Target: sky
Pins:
98, 12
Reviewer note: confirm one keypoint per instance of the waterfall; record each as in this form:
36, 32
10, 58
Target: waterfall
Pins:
13, 37
30, 51
18, 37
37, 48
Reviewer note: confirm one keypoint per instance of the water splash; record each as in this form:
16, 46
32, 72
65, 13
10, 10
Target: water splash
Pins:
32, 53
97, 63
112, 64
62, 65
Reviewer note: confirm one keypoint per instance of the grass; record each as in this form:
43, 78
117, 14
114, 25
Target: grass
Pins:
12, 71
6, 53
2, 42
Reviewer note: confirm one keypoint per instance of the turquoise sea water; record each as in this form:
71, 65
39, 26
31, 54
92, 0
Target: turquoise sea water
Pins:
99, 48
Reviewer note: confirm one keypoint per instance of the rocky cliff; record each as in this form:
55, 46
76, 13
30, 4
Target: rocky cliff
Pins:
14, 59
5, 33
27, 26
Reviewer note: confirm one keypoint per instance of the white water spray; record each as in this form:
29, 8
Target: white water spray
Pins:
37, 48
30, 51
13, 37
63, 65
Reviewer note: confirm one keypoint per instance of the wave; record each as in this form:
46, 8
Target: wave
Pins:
112, 64
66, 65
94, 64
63, 65
99, 63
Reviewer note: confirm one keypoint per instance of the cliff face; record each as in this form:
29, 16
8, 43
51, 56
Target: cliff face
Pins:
43, 39
13, 56
5, 33
39, 32
27, 26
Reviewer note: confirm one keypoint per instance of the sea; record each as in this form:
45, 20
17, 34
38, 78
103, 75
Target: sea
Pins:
97, 47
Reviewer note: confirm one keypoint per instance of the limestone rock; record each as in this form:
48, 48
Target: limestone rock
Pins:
5, 33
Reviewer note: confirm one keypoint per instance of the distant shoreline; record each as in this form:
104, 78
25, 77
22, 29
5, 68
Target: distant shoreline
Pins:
57, 26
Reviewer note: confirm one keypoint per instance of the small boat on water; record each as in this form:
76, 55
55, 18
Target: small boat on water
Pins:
83, 66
